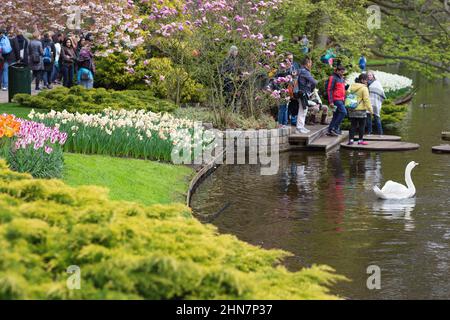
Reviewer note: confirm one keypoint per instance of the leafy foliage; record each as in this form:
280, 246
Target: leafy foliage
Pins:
416, 33
159, 75
129, 251
38, 163
79, 99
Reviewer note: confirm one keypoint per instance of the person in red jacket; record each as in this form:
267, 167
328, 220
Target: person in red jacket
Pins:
336, 97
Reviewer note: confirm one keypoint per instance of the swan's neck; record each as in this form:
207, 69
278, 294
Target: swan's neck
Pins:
409, 182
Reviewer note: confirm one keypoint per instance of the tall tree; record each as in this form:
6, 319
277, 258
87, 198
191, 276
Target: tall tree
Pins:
415, 32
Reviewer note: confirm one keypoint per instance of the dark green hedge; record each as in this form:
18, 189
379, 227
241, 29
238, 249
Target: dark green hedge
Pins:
79, 99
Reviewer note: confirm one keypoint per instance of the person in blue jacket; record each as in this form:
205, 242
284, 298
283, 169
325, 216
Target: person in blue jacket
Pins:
362, 63
85, 78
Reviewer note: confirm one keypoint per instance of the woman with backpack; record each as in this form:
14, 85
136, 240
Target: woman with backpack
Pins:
67, 62
35, 58
358, 114
48, 59
10, 53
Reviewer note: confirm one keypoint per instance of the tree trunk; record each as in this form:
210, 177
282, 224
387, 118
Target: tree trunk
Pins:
321, 40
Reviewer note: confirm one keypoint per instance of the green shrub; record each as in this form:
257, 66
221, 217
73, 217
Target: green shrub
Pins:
146, 75
174, 77
229, 119
79, 99
130, 251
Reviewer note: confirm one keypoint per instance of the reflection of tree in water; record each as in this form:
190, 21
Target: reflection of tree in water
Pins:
357, 166
303, 176
299, 177
373, 174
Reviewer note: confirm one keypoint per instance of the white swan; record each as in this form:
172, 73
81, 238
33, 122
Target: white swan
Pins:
394, 190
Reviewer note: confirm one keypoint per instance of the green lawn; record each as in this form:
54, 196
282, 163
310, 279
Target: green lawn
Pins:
15, 109
142, 181
373, 62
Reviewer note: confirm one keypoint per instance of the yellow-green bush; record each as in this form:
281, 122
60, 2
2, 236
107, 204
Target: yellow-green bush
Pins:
129, 251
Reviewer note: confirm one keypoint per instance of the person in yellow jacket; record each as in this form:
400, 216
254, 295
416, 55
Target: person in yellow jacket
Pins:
359, 114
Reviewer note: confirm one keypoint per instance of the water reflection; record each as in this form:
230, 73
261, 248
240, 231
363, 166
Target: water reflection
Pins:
335, 201
396, 209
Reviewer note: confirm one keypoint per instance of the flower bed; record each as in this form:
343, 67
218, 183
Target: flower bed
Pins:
123, 133
394, 85
32, 147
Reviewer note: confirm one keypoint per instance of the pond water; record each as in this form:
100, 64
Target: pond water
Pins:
321, 208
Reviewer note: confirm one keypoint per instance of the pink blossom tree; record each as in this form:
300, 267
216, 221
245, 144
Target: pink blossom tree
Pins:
107, 20
199, 34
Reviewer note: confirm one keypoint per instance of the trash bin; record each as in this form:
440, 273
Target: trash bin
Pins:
19, 78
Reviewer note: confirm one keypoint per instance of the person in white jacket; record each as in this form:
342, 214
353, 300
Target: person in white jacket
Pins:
377, 96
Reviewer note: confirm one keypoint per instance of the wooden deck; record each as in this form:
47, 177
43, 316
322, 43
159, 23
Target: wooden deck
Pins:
445, 148
303, 139
383, 146
316, 139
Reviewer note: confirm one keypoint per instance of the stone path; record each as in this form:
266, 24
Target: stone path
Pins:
4, 95
383, 146
327, 143
445, 148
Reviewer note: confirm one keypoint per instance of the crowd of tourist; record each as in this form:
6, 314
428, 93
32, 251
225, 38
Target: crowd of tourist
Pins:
53, 58
305, 105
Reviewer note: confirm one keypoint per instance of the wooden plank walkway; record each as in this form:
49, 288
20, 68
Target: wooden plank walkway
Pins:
374, 137
383, 146
445, 148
